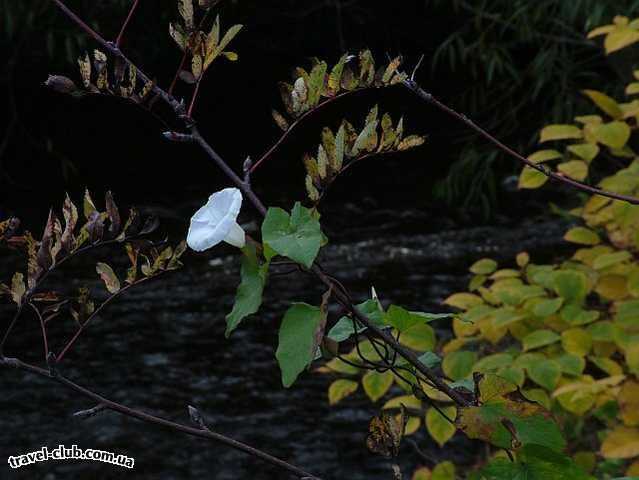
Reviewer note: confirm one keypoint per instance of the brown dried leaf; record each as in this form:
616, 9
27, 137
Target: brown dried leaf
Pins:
185, 7
411, 141
70, 213
114, 215
280, 120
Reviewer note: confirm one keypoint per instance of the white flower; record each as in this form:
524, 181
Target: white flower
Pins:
216, 222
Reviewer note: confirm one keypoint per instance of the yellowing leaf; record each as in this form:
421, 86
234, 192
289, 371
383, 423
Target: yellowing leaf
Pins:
411, 141
18, 287
185, 7
485, 266
539, 338
582, 236
376, 384
440, 428
544, 156
531, 178
628, 400
559, 132
575, 169
613, 134
604, 102
620, 38
108, 277
463, 301
622, 442
576, 341
340, 389
422, 473
585, 151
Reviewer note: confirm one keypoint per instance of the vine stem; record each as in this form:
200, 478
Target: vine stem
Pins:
206, 434
429, 98
118, 41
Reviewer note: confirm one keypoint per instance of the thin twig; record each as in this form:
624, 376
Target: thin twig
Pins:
428, 97
118, 41
153, 419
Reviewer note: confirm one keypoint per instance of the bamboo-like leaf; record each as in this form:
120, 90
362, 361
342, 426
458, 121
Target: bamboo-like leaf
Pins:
388, 133
390, 70
185, 7
411, 141
339, 148
85, 69
213, 38
335, 77
113, 213
108, 276
322, 162
17, 287
300, 89
316, 83
364, 138
280, 120
311, 167
228, 36
70, 213
367, 68
196, 66
328, 141
372, 115
311, 190
177, 34
132, 271
88, 205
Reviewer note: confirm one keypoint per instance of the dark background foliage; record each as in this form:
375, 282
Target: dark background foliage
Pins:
508, 64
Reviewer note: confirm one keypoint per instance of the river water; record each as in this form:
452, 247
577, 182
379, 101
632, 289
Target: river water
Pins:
161, 347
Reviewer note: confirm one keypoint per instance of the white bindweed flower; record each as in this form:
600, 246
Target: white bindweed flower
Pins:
216, 222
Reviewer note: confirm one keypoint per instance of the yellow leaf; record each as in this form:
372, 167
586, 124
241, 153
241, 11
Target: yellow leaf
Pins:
559, 132
409, 401
585, 151
376, 384
582, 236
340, 389
632, 88
622, 442
544, 156
463, 301
620, 38
422, 473
531, 178
522, 259
613, 134
604, 102
576, 341
628, 399
440, 428
606, 29
575, 169
412, 425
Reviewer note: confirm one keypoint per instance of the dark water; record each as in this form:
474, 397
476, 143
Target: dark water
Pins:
161, 348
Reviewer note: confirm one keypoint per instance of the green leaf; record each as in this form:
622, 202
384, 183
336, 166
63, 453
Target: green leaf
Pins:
343, 329
571, 285
485, 266
548, 307
459, 364
376, 384
534, 462
443, 471
248, 297
108, 276
609, 259
582, 236
545, 373
429, 359
297, 236
296, 348
340, 389
539, 338
438, 426
401, 319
